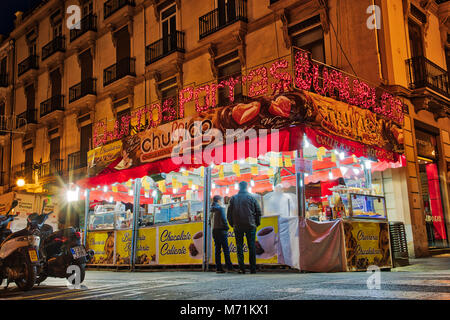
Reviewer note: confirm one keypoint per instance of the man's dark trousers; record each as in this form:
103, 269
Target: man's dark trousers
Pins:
221, 242
250, 235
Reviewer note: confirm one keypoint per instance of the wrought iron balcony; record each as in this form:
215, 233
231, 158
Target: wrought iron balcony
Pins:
3, 80
57, 44
164, 46
423, 73
216, 20
85, 87
51, 168
53, 104
29, 63
88, 23
25, 171
75, 161
26, 117
111, 6
125, 67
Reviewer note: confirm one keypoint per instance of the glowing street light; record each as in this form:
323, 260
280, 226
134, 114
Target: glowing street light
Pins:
20, 182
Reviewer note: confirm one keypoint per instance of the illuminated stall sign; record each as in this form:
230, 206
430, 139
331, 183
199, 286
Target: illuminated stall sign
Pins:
270, 80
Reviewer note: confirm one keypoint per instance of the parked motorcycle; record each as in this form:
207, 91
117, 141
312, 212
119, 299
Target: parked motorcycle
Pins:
59, 250
19, 259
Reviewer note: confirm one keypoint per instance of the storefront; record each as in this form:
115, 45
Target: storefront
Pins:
311, 145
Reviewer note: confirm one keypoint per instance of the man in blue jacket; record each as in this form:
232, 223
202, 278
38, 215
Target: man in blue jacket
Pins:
244, 215
219, 224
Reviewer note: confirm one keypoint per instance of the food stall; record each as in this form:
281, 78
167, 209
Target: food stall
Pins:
311, 157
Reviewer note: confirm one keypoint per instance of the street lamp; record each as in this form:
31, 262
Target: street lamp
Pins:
20, 182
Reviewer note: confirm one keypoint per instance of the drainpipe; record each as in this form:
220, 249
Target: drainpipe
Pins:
13, 91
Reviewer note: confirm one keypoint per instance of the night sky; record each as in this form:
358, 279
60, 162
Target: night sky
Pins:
7, 10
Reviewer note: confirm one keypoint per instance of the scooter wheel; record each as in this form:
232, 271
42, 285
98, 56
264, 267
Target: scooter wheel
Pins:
28, 281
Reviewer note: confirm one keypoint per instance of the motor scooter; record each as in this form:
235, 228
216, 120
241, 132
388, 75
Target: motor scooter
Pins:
19, 253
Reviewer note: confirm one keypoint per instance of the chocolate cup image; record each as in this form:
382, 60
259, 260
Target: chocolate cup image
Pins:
266, 238
198, 243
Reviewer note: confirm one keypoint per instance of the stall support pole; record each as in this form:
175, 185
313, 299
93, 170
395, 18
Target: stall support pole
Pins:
136, 212
206, 227
300, 187
86, 215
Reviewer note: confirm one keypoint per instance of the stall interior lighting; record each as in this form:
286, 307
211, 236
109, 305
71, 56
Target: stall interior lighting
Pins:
105, 189
154, 193
111, 199
368, 164
252, 182
356, 171
330, 175
236, 186
147, 195
341, 156
227, 190
130, 192
213, 185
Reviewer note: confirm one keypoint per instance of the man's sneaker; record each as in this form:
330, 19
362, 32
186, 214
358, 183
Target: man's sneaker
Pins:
241, 271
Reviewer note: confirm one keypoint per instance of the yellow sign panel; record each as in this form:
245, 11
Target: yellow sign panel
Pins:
146, 246
180, 244
103, 245
367, 243
123, 246
266, 243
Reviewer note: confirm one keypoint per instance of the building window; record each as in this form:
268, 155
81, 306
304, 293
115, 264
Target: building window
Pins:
415, 39
308, 35
228, 66
169, 90
85, 142
87, 8
30, 96
55, 146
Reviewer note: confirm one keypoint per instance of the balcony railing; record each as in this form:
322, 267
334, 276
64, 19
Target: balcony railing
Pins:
28, 116
111, 6
51, 168
29, 63
125, 67
4, 80
218, 19
57, 44
88, 23
164, 46
25, 171
85, 87
75, 161
424, 73
53, 104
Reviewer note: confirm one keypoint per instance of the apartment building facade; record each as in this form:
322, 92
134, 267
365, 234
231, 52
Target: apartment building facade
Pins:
57, 83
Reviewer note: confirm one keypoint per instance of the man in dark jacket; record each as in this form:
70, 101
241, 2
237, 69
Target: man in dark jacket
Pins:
244, 215
219, 224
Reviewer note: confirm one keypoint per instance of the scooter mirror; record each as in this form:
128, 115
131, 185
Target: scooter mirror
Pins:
14, 204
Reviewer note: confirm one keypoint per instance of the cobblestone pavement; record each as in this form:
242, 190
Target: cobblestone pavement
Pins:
424, 279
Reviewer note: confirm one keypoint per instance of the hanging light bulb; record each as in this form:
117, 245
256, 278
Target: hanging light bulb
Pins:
330, 175
154, 193
227, 190
306, 174
356, 171
111, 200
341, 156
105, 189
336, 151
174, 190
147, 195
242, 161
213, 185
236, 186
252, 182
194, 186
212, 165
130, 192
301, 183
182, 169
306, 144
250, 189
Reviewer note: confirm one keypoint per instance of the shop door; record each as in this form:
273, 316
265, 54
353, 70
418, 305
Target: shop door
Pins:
431, 190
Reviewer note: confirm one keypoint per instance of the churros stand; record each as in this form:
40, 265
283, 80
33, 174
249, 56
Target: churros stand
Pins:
315, 154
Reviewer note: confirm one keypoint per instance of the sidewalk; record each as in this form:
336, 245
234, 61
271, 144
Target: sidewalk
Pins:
435, 263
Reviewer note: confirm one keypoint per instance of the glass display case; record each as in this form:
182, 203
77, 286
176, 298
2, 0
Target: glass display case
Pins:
364, 206
185, 211
110, 217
